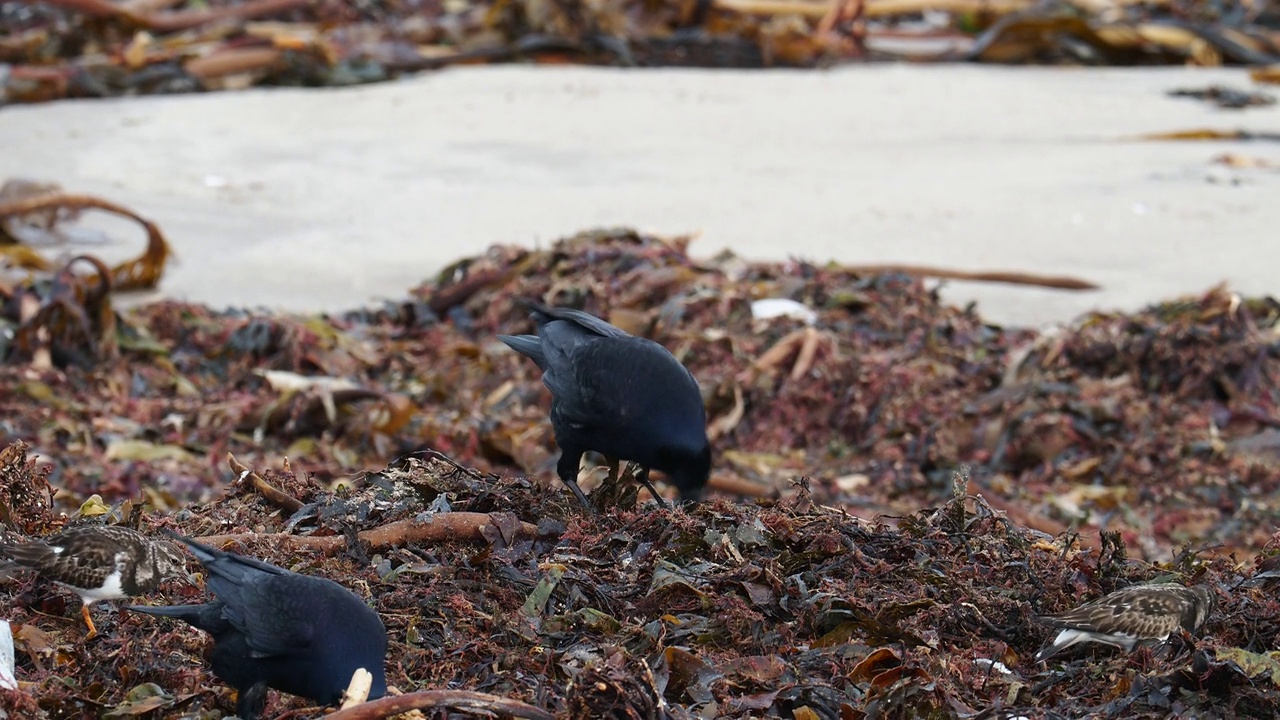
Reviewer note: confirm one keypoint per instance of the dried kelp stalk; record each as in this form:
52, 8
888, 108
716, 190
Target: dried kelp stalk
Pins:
70, 322
49, 205
96, 48
168, 21
65, 317
1046, 36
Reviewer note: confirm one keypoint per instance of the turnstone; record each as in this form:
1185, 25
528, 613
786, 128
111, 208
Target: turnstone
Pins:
273, 628
622, 396
1132, 615
99, 562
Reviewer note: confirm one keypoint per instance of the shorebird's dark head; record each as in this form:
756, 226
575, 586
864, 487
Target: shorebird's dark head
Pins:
1207, 602
170, 560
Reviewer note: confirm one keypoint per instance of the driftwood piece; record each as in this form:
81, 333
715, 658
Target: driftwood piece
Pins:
443, 527
264, 488
463, 700
872, 8
1009, 277
231, 61
167, 21
739, 486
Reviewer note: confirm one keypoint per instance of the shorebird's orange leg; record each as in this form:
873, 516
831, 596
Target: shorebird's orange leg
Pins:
93, 631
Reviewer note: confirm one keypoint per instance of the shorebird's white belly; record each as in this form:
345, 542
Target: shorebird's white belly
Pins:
111, 590
1070, 637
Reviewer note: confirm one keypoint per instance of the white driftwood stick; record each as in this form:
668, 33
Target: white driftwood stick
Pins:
358, 691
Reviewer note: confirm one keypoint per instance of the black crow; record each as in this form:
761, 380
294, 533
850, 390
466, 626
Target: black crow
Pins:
624, 397
99, 562
273, 628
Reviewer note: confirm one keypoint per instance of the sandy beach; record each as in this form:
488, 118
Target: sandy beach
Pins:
330, 199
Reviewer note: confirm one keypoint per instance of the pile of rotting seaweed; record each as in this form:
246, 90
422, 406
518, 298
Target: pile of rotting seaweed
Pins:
778, 608
1159, 425
93, 48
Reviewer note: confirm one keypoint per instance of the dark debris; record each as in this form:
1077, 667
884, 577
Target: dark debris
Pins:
834, 594
729, 610
1226, 97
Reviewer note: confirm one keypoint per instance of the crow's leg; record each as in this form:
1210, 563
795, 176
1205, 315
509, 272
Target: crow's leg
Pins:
251, 701
567, 468
643, 477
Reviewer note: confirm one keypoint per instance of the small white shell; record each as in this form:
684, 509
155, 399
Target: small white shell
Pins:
770, 308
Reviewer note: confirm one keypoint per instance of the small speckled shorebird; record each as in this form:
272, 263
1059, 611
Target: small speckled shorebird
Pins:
99, 562
1132, 615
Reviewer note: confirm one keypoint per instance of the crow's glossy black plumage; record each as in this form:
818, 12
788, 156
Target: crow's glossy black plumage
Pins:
622, 396
273, 628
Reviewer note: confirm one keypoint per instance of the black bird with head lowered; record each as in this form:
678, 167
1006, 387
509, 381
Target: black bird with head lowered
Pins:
625, 397
273, 628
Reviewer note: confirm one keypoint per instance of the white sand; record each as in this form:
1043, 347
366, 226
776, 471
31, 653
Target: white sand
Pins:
328, 199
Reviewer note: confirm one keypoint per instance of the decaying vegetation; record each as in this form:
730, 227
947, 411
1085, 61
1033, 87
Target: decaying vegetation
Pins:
900, 489
96, 48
